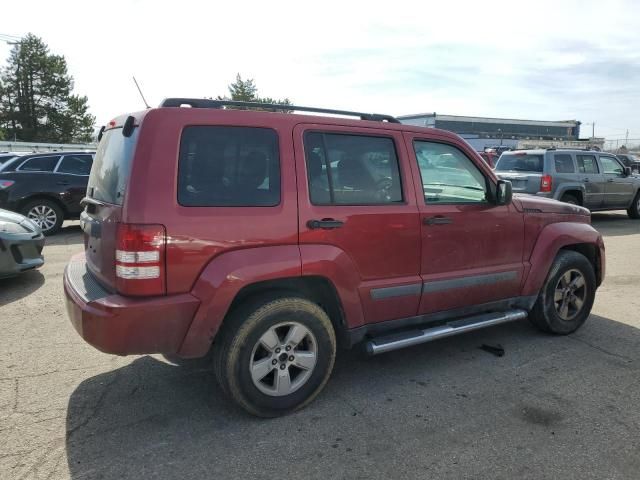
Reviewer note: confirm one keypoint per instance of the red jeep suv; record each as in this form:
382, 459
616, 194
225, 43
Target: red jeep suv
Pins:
271, 238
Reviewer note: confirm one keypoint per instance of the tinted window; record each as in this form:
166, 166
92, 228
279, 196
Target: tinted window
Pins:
229, 166
352, 169
112, 165
448, 175
611, 165
520, 162
587, 164
76, 164
6, 158
40, 164
564, 163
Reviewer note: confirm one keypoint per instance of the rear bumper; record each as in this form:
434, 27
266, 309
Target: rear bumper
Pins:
122, 325
20, 252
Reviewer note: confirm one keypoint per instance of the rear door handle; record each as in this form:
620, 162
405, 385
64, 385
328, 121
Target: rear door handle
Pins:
63, 182
325, 223
437, 220
586, 180
610, 180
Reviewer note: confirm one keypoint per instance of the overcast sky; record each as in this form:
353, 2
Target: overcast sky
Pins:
554, 60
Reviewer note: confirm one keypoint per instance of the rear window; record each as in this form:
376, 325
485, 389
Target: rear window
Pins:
520, 162
112, 166
587, 164
228, 167
75, 164
564, 163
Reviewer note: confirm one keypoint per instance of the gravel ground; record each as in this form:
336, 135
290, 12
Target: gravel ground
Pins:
552, 407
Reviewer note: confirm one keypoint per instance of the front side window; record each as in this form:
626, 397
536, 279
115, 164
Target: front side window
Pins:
347, 169
228, 167
611, 166
587, 164
564, 163
76, 164
448, 175
40, 164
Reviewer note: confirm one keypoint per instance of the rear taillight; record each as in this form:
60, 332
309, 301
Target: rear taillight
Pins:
6, 184
545, 183
140, 253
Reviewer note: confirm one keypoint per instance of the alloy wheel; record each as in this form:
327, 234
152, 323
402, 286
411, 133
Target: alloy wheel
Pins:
44, 216
283, 359
570, 294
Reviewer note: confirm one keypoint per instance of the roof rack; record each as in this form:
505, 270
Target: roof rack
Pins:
209, 103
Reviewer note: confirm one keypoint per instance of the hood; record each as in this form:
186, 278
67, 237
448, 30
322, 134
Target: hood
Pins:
534, 204
13, 217
7, 216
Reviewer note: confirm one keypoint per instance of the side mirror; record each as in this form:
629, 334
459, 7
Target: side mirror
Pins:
627, 171
504, 192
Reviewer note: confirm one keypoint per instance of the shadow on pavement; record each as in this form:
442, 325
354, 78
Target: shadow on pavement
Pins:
615, 224
15, 288
440, 410
69, 234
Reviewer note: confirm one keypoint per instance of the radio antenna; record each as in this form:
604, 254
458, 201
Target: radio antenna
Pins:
139, 90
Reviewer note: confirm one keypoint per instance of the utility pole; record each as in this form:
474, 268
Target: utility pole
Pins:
593, 129
626, 139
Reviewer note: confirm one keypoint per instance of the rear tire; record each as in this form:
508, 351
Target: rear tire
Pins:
567, 295
568, 198
634, 210
45, 213
275, 354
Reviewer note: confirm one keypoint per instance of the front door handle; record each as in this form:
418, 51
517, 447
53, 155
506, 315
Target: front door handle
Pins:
610, 180
585, 180
325, 223
63, 182
437, 220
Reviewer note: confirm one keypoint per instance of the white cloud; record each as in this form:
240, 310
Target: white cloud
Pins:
455, 57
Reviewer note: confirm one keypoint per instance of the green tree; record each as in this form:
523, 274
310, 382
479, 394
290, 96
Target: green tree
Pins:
36, 99
247, 91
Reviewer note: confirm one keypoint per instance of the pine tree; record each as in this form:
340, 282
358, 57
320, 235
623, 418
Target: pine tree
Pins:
247, 91
36, 99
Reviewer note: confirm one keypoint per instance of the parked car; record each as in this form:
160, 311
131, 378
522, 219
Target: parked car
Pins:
630, 160
265, 237
46, 187
21, 243
595, 180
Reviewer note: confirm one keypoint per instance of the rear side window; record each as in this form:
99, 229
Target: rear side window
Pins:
76, 164
348, 169
228, 167
112, 166
520, 162
587, 164
40, 164
564, 163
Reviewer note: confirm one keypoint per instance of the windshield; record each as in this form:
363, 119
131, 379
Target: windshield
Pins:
111, 167
520, 162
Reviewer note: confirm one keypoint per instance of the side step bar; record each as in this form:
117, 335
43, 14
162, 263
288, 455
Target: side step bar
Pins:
404, 339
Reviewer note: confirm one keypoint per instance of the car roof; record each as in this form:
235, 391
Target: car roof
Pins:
206, 115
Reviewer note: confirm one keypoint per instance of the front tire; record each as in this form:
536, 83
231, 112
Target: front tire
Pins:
567, 295
274, 355
634, 210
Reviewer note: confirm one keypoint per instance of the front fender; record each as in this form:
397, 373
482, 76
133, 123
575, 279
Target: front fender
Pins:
551, 239
223, 278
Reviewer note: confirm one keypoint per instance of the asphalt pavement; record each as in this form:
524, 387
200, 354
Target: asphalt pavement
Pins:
551, 407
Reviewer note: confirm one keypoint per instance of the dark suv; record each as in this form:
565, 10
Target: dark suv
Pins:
272, 237
46, 187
